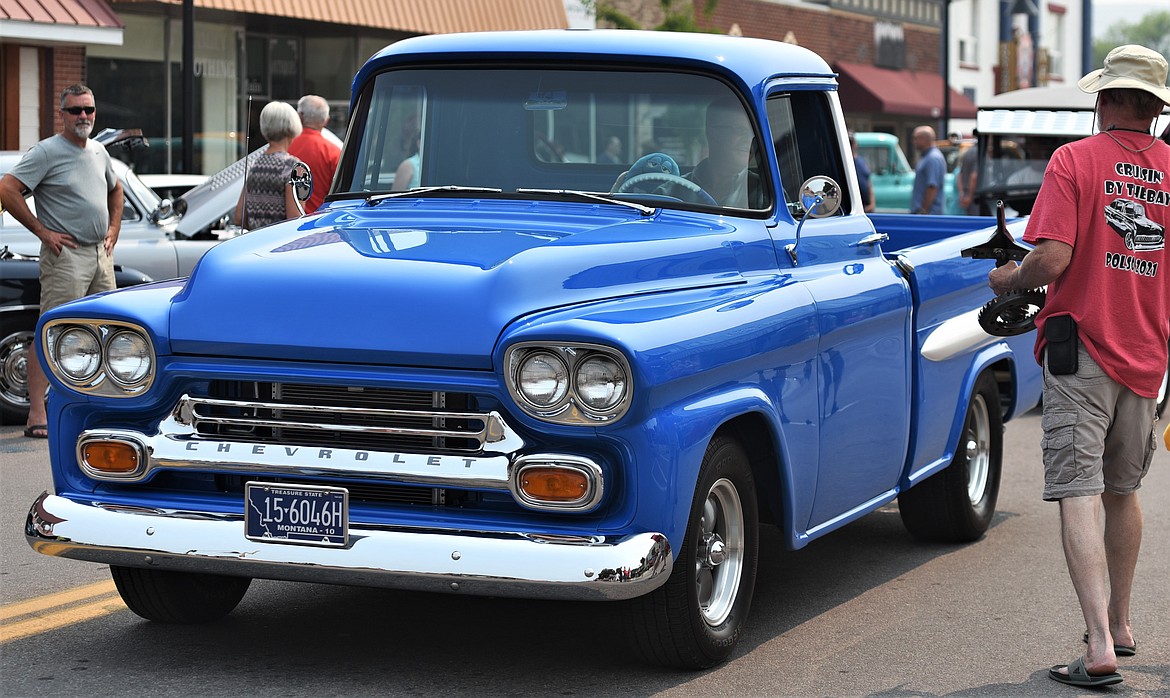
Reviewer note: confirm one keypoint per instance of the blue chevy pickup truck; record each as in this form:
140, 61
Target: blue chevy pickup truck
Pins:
506, 359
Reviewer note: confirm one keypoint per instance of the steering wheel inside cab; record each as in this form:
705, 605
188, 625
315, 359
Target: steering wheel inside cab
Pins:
657, 174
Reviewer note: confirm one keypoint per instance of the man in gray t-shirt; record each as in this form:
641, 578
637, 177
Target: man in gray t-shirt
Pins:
78, 218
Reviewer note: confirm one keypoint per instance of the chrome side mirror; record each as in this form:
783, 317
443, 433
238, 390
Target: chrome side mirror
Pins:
820, 197
165, 209
301, 179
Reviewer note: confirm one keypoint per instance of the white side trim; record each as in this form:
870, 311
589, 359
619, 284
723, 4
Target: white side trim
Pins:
959, 335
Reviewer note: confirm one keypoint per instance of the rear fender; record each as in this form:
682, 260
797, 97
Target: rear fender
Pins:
1000, 359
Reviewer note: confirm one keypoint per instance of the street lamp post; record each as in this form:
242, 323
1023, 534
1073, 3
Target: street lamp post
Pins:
946, 63
189, 86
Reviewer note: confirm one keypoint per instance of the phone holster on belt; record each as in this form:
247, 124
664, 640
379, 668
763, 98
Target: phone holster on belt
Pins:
1061, 342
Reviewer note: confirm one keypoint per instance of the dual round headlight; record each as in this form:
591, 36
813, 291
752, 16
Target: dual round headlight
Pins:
106, 358
543, 379
78, 354
575, 384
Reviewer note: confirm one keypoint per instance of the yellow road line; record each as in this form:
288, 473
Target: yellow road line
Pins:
23, 608
58, 610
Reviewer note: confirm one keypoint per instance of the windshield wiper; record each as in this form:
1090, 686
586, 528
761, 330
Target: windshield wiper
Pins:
644, 210
371, 200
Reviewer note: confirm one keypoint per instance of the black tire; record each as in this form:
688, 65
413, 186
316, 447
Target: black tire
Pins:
694, 621
955, 505
16, 351
178, 597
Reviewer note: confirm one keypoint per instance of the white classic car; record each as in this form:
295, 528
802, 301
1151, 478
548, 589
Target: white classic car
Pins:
159, 240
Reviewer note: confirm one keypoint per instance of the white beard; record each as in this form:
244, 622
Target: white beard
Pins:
82, 129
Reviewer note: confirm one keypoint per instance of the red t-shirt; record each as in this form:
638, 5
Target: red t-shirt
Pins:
321, 156
1113, 207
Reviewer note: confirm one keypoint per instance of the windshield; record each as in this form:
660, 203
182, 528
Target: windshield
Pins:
1012, 167
654, 137
138, 191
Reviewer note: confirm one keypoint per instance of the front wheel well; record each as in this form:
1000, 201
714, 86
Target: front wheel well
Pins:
754, 434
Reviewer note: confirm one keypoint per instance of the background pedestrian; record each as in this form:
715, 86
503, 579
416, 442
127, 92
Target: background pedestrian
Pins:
967, 179
314, 149
267, 196
78, 218
928, 195
864, 182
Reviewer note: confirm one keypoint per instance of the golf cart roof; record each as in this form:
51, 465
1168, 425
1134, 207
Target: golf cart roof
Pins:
1061, 110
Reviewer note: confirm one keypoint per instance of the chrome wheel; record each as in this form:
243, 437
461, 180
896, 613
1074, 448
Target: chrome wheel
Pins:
695, 619
956, 504
977, 435
719, 557
16, 350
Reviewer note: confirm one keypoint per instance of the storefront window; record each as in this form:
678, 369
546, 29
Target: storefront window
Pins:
132, 84
140, 85
329, 67
284, 62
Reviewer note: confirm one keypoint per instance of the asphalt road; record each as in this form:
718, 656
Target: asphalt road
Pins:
865, 611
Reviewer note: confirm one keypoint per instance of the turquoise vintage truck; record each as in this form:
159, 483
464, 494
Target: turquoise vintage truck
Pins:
541, 373
892, 175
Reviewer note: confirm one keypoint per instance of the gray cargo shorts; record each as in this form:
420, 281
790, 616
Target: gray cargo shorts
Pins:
1098, 434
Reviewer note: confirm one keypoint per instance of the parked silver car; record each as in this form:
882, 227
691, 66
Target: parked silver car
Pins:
159, 240
151, 239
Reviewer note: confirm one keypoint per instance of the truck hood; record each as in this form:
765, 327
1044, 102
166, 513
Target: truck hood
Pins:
345, 286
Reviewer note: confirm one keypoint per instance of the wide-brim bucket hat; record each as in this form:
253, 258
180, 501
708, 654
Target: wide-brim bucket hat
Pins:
1130, 67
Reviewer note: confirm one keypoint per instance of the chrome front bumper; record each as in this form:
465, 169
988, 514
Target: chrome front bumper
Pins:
471, 562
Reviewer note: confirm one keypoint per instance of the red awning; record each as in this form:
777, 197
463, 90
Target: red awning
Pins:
60, 21
413, 16
904, 92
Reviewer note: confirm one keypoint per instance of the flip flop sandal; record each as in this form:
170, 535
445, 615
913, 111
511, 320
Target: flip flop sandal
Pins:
1079, 676
1119, 650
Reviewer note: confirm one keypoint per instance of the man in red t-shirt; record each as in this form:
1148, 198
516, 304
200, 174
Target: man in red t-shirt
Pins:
1099, 226
314, 149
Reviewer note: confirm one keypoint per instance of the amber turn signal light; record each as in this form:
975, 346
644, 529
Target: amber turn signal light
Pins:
554, 484
110, 456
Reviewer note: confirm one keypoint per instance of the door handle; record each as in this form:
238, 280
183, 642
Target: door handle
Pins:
872, 239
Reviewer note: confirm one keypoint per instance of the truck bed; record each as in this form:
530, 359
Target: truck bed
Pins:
906, 230
948, 291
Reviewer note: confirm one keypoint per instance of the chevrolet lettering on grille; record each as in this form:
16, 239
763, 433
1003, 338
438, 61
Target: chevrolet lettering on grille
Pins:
333, 454
416, 468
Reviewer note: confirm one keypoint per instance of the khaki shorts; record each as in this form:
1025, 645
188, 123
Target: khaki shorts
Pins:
74, 273
1098, 435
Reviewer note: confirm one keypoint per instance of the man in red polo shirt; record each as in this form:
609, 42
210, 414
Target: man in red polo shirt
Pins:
314, 149
1099, 226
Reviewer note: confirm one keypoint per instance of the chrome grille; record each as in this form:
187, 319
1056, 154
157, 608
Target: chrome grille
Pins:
372, 493
337, 416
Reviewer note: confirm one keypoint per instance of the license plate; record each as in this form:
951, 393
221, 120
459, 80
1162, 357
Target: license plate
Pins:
298, 514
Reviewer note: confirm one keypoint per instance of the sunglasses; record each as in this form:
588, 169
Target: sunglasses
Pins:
77, 111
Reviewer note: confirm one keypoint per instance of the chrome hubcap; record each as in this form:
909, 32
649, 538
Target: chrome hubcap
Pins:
15, 353
978, 439
712, 550
719, 552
